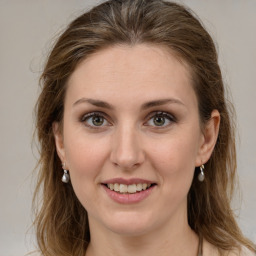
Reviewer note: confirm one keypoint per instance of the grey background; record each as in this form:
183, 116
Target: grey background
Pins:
27, 28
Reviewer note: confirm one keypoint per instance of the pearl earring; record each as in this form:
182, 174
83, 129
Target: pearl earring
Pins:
65, 178
201, 174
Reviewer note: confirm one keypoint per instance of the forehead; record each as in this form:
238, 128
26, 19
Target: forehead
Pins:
131, 71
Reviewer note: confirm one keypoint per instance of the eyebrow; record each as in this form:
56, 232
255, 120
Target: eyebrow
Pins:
150, 104
94, 102
161, 102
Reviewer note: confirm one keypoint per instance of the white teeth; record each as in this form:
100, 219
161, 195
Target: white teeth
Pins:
139, 187
123, 188
144, 186
116, 187
133, 188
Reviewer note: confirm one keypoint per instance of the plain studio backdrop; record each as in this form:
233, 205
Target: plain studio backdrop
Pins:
27, 30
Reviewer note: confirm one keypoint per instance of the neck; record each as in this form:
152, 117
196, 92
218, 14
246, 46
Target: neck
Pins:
179, 240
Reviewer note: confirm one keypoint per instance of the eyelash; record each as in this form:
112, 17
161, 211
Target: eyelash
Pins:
86, 117
164, 115
171, 119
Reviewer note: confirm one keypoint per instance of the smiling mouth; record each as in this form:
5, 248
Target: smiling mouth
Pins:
128, 189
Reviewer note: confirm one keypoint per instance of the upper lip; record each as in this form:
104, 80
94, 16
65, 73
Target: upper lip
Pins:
127, 181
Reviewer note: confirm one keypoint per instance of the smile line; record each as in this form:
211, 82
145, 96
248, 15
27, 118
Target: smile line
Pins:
129, 189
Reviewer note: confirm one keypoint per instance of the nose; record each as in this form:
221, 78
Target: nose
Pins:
127, 152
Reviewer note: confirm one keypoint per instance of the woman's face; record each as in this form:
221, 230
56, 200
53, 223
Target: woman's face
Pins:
131, 138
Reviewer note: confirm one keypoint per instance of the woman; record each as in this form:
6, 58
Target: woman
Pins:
132, 119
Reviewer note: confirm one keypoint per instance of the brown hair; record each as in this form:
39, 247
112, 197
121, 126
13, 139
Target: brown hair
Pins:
61, 221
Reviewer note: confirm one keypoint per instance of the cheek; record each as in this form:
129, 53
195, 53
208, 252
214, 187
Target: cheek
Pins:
85, 160
85, 156
176, 153
175, 161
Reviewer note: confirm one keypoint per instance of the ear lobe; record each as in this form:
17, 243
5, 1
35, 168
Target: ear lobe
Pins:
59, 143
210, 135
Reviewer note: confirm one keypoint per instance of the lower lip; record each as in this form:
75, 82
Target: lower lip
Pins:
128, 198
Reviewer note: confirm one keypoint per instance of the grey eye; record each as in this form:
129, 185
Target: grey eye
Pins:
94, 120
159, 120
97, 120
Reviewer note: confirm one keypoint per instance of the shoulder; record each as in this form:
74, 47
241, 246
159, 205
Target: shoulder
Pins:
246, 252
34, 253
211, 250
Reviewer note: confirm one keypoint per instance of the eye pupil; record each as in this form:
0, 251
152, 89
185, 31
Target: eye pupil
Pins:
159, 121
98, 120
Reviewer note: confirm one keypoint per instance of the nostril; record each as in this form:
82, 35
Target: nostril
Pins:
127, 162
126, 150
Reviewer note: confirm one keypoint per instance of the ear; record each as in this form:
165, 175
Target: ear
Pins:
209, 137
59, 142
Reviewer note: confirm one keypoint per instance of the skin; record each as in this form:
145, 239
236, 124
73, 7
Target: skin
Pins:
128, 144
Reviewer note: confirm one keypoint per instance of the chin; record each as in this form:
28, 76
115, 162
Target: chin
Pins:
129, 230
131, 224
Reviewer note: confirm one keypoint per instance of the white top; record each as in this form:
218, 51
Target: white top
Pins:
247, 252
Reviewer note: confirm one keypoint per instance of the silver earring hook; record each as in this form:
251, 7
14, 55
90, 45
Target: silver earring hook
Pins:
65, 178
201, 175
